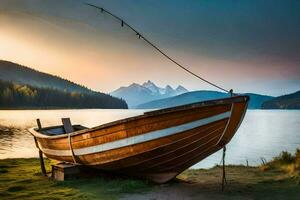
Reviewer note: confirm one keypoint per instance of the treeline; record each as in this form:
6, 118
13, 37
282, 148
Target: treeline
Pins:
15, 95
10, 71
289, 101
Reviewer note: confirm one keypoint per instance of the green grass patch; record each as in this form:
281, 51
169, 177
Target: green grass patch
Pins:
21, 179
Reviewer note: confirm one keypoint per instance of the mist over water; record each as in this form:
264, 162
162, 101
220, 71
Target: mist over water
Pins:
263, 133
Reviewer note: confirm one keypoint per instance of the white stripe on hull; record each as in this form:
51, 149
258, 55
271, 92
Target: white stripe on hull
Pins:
139, 138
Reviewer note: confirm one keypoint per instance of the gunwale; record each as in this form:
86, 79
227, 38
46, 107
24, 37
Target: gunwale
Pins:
228, 100
130, 131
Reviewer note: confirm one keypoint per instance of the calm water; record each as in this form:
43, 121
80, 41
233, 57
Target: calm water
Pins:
263, 134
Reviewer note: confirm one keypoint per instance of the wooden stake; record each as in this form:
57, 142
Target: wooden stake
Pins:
39, 124
224, 181
43, 169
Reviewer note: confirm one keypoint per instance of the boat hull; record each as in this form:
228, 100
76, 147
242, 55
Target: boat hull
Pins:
157, 145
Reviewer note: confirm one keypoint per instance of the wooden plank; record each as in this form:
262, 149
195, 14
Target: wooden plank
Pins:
65, 171
38, 121
176, 142
129, 151
67, 125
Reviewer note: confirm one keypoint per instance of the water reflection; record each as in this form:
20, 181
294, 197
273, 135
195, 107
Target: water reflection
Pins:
14, 141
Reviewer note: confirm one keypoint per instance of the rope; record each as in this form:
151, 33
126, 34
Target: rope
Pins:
155, 47
71, 148
224, 180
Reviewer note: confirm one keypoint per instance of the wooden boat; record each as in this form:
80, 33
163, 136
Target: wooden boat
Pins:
157, 145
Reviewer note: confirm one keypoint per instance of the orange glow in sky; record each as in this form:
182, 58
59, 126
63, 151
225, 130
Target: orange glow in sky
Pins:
104, 59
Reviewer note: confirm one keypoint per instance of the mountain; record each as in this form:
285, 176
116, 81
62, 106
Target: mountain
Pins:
290, 101
17, 96
10, 71
256, 100
136, 94
185, 98
23, 87
152, 87
181, 90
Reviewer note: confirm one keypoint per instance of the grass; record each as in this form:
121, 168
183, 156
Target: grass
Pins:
21, 179
285, 162
244, 183
276, 179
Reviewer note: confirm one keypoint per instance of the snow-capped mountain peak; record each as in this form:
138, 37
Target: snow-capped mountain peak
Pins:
169, 91
135, 93
151, 86
180, 90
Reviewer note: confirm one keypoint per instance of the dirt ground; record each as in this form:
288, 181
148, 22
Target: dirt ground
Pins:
242, 183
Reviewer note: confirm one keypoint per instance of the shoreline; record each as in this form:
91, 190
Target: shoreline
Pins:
21, 178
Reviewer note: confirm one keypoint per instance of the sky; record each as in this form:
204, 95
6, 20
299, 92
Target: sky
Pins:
246, 45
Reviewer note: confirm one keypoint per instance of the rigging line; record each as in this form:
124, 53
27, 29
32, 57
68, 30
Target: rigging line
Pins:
155, 47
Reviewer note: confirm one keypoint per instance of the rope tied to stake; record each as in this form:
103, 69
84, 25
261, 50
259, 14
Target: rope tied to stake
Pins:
140, 36
71, 148
224, 180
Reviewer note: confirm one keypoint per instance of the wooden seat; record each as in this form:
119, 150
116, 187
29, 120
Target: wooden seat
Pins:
67, 125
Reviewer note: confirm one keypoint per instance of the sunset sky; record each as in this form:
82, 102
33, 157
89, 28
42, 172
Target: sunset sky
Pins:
247, 45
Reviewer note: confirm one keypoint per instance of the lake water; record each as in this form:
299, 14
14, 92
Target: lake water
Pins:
263, 133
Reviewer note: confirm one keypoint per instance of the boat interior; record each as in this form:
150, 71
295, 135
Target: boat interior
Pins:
59, 130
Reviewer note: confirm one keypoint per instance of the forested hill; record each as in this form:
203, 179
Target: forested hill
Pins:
289, 101
13, 72
18, 96
23, 87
